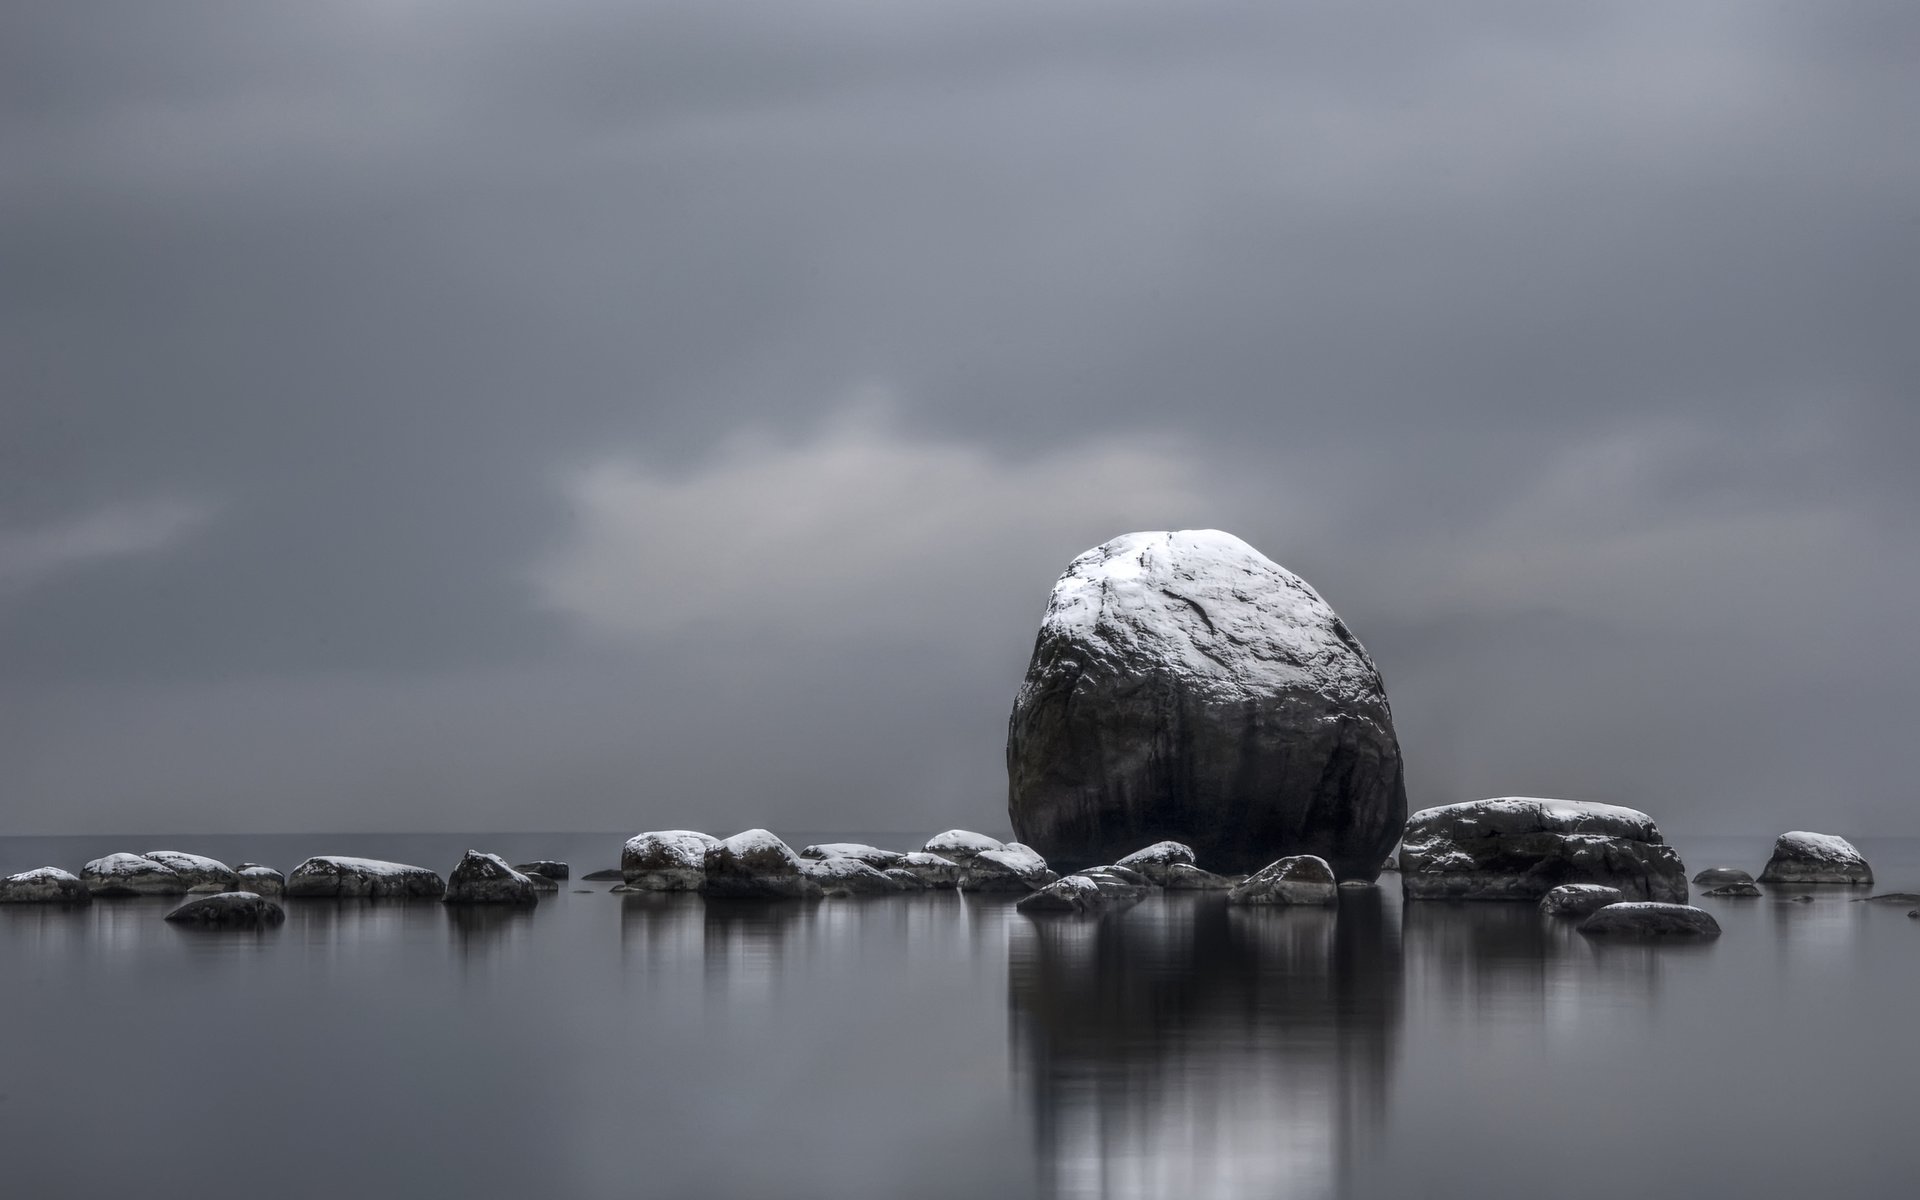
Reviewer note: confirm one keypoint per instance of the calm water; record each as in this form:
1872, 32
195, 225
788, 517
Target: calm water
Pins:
942, 1045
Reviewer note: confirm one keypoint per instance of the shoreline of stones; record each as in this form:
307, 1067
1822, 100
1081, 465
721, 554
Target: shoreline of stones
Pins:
1482, 850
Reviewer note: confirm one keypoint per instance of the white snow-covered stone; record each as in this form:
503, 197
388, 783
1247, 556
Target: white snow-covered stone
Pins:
1578, 899
344, 875
481, 878
1521, 847
959, 845
132, 875
197, 869
264, 881
1157, 862
666, 860
873, 856
1802, 857
755, 864
1297, 879
849, 877
44, 885
931, 869
1011, 868
1086, 893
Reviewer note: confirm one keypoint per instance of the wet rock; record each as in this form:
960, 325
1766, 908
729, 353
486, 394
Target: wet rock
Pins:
666, 860
1296, 879
1522, 847
931, 869
229, 910
263, 881
1125, 875
45, 885
1012, 868
1646, 919
131, 875
548, 867
339, 875
873, 856
840, 877
199, 871
756, 865
1578, 899
1732, 891
1716, 876
1185, 686
487, 879
1802, 857
1185, 877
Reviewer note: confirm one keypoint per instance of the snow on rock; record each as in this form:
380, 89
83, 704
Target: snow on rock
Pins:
1185, 877
1578, 899
931, 869
959, 845
1802, 857
1185, 686
131, 875
873, 856
1717, 876
487, 879
229, 910
1522, 847
45, 885
666, 860
344, 875
548, 867
1296, 879
1157, 861
197, 869
1090, 893
908, 881
1011, 868
1650, 920
252, 877
757, 865
1727, 891
849, 877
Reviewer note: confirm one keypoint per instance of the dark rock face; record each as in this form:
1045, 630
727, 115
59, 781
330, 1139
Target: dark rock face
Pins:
487, 879
1802, 857
1717, 876
229, 910
551, 868
1578, 899
1640, 919
1299, 879
1185, 687
756, 865
1520, 848
45, 885
336, 875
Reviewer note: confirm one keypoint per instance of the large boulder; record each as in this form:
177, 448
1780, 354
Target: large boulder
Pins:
45, 885
1802, 857
229, 910
1296, 879
960, 845
131, 875
1521, 848
342, 875
850, 877
1186, 687
756, 865
200, 872
666, 860
1645, 919
487, 879
1012, 868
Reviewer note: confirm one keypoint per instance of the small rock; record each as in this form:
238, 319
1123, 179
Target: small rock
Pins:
264, 881
1085, 893
931, 869
487, 879
1645, 918
1185, 877
1298, 879
1802, 857
541, 883
1157, 861
666, 860
1716, 876
229, 910
840, 877
551, 868
873, 856
339, 875
1731, 890
908, 881
1522, 847
603, 876
1578, 899
1891, 898
198, 870
45, 885
755, 864
1803, 899
131, 875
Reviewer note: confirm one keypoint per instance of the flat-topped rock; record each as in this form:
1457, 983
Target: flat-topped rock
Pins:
132, 875
1297, 879
1578, 899
551, 868
841, 877
873, 856
1802, 857
45, 885
341, 875
1732, 891
229, 910
263, 881
1522, 847
1648, 919
1011, 868
1719, 876
756, 865
197, 870
481, 878
666, 860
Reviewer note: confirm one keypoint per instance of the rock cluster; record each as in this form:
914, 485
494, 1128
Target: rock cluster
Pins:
1522, 847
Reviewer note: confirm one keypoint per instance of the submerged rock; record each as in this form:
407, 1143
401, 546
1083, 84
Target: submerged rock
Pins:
1640, 918
1802, 857
1578, 899
45, 885
1296, 879
1729, 891
1715, 876
756, 865
264, 881
931, 869
873, 856
1088, 893
132, 875
603, 876
339, 875
849, 877
549, 867
1522, 847
1011, 868
666, 860
229, 910
1891, 898
487, 879
197, 870
1185, 686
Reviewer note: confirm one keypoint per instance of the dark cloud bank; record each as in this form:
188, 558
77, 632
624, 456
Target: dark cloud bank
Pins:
608, 416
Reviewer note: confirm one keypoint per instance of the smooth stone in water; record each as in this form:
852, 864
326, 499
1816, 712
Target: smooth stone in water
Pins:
45, 885
1716, 876
1891, 898
1185, 877
229, 910
603, 876
132, 875
1011, 868
960, 845
840, 877
1297, 879
908, 881
341, 875
264, 881
487, 879
1578, 899
1727, 891
1522, 847
1641, 918
549, 867
873, 856
666, 860
756, 865
198, 870
1087, 893
931, 869
1157, 861
1802, 857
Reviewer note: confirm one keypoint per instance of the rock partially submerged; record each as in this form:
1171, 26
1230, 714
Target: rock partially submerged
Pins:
1578, 899
1296, 879
339, 875
1891, 898
1011, 868
1802, 857
199, 871
1522, 847
960, 845
264, 881
930, 869
45, 885
842, 877
1087, 893
1732, 891
602, 876
1185, 877
1716, 876
229, 910
1157, 861
666, 860
132, 875
487, 879
1641, 918
873, 856
756, 865
1185, 686
541, 883
551, 868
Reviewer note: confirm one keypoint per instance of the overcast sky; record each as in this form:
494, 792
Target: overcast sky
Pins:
431, 415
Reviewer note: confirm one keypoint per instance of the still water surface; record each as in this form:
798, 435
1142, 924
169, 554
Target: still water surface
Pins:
944, 1045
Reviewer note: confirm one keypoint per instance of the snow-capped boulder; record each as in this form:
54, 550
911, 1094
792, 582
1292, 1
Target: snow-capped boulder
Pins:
1641, 918
1522, 847
548, 867
264, 881
131, 875
849, 877
1578, 899
229, 910
343, 875
1729, 891
1089, 893
873, 856
931, 869
1157, 861
199, 871
959, 845
1716, 876
1011, 868
756, 865
1185, 686
1296, 879
1185, 877
666, 860
908, 881
1802, 857
487, 879
45, 885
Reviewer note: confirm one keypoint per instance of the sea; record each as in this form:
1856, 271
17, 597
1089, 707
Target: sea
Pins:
945, 1045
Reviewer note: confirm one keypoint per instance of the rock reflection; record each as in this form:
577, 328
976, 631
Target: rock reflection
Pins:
1188, 1049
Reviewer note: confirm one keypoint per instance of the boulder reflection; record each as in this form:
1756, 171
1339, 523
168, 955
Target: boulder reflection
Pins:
1188, 1049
